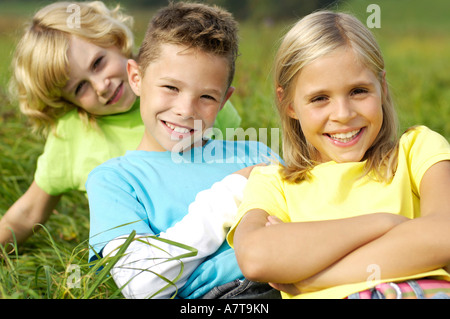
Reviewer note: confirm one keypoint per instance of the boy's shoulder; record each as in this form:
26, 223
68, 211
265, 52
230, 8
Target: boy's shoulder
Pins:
124, 169
248, 150
117, 165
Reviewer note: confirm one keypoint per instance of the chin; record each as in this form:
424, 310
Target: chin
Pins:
349, 159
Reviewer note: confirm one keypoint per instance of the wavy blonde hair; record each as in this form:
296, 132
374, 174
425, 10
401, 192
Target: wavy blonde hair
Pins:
40, 65
313, 37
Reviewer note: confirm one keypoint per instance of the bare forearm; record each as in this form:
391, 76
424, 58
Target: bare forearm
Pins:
294, 251
17, 226
34, 207
413, 247
13, 228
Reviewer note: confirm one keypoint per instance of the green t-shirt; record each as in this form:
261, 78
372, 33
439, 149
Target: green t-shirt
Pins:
76, 148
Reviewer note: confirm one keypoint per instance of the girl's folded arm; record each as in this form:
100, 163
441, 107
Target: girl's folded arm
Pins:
416, 246
291, 252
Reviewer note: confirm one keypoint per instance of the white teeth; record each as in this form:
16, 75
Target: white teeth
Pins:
344, 137
178, 129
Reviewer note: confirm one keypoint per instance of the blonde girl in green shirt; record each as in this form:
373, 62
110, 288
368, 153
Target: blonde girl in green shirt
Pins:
70, 78
353, 206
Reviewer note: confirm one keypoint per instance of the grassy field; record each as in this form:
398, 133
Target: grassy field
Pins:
415, 39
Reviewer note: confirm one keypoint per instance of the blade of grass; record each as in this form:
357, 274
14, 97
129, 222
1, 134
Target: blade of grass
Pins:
48, 278
111, 262
53, 244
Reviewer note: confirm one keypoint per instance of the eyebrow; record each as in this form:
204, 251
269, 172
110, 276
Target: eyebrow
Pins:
180, 83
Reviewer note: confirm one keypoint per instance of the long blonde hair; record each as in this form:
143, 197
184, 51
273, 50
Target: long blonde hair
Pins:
310, 38
40, 65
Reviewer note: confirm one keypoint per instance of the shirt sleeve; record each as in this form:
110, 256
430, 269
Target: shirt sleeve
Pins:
114, 208
424, 148
54, 167
264, 190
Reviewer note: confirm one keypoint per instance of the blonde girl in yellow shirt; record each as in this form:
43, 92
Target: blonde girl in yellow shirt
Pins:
353, 206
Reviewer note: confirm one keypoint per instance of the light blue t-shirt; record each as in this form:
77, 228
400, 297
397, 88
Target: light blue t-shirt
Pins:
150, 192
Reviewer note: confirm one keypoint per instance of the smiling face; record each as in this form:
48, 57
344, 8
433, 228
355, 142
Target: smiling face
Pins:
338, 102
180, 93
98, 80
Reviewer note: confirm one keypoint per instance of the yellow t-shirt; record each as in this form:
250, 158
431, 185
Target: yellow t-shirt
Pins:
337, 190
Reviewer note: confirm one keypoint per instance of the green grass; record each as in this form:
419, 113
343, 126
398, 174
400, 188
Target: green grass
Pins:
414, 37
415, 40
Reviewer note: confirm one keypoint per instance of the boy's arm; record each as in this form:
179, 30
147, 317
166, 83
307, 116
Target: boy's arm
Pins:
203, 228
210, 216
292, 252
33, 207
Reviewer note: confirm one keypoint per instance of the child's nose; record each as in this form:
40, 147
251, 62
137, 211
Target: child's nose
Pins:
101, 85
186, 107
342, 110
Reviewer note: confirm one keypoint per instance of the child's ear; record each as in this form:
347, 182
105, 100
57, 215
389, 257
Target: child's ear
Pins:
290, 109
134, 76
227, 96
280, 93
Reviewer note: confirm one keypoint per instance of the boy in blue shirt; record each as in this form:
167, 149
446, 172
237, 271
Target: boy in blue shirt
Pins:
183, 76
